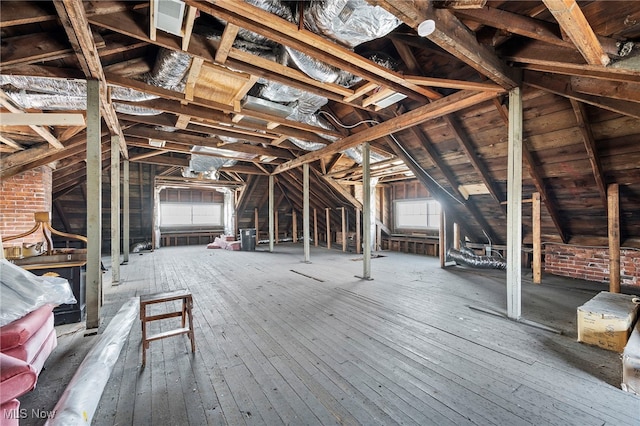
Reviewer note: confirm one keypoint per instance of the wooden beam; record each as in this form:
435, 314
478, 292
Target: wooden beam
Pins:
453, 36
11, 143
343, 192
562, 86
187, 25
537, 240
514, 209
328, 226
469, 150
74, 20
573, 22
516, 24
226, 42
626, 91
192, 78
6, 102
538, 179
287, 33
591, 148
453, 84
41, 119
613, 220
438, 108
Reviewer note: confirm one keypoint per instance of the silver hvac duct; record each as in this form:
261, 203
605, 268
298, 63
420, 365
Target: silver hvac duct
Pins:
69, 94
467, 257
349, 22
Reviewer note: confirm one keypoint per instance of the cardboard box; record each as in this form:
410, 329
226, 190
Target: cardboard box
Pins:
606, 320
631, 363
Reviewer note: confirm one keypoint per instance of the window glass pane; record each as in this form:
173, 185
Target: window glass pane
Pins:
173, 214
417, 214
207, 214
185, 214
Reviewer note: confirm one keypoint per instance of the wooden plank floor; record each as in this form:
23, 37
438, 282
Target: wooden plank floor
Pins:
280, 341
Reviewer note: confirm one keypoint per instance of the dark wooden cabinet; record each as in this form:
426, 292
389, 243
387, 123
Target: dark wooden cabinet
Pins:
69, 313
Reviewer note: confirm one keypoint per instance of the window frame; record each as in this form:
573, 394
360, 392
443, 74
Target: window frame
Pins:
429, 205
219, 214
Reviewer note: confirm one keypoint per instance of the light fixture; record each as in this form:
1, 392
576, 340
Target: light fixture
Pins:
157, 143
426, 27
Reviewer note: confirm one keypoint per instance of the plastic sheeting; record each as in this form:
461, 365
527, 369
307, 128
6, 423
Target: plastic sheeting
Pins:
22, 292
79, 401
469, 258
349, 22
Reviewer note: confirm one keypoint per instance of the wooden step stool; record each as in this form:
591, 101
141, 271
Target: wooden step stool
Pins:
150, 299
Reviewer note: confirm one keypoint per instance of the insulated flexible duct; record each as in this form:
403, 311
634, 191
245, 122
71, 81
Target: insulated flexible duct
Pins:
469, 258
71, 94
349, 22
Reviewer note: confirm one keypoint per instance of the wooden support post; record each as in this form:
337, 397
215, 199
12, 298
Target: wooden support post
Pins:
256, 224
115, 210
366, 208
94, 206
125, 211
456, 236
613, 203
328, 215
294, 225
315, 227
514, 206
344, 229
358, 233
442, 241
271, 207
276, 226
537, 238
305, 211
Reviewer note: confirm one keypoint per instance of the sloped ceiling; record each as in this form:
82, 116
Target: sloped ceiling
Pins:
578, 64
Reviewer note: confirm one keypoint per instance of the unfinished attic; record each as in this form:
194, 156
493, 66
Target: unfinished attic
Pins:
320, 212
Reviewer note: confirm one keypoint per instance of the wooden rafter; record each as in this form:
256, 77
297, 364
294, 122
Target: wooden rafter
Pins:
74, 19
454, 37
226, 42
451, 180
627, 91
538, 180
562, 86
439, 108
6, 102
573, 22
479, 166
591, 148
267, 24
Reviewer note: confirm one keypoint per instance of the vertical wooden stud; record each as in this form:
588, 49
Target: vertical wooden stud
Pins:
537, 238
613, 202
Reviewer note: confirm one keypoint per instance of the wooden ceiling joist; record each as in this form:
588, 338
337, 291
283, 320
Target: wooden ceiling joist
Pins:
439, 108
6, 102
591, 148
573, 22
74, 20
454, 37
562, 86
287, 33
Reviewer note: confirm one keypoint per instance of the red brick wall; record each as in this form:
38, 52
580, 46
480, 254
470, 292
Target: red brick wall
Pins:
20, 197
591, 263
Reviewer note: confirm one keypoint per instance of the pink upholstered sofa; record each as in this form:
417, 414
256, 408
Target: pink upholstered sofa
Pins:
25, 344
